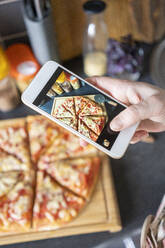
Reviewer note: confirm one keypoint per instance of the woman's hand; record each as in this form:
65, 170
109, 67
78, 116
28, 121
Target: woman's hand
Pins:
146, 103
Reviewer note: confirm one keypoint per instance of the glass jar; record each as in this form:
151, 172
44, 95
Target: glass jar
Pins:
95, 39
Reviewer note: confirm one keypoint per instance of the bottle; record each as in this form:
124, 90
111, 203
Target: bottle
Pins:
9, 97
23, 64
95, 39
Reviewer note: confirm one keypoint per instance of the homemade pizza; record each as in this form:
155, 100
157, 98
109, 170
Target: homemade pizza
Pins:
16, 205
41, 133
46, 176
79, 175
54, 205
82, 114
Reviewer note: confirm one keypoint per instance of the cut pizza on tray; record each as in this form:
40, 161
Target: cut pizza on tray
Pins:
66, 174
79, 175
16, 205
88, 117
54, 206
41, 133
14, 139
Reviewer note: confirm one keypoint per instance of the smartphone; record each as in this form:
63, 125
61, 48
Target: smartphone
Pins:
78, 106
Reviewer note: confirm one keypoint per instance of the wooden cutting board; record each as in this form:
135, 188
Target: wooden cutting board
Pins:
100, 214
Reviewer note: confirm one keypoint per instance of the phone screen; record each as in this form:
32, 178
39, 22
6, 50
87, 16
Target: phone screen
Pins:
80, 106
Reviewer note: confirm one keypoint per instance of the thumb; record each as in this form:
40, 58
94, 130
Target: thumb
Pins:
132, 115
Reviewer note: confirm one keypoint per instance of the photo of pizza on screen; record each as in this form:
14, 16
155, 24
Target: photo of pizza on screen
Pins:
80, 106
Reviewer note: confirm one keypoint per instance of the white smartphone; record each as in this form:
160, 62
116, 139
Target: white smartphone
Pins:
78, 106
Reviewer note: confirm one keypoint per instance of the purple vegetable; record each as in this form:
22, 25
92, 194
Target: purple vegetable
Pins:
124, 56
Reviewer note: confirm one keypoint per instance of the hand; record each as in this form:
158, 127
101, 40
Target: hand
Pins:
146, 103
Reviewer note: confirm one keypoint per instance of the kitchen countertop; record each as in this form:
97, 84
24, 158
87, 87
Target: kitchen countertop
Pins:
139, 181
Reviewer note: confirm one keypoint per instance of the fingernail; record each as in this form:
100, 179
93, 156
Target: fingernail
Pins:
116, 125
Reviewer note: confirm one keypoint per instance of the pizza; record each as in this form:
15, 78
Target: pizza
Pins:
83, 129
9, 163
41, 133
66, 174
16, 205
91, 108
71, 122
78, 175
82, 114
59, 111
95, 123
54, 206
69, 104
80, 103
65, 146
14, 139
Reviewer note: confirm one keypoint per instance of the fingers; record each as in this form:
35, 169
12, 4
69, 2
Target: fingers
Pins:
124, 90
115, 87
131, 115
151, 126
138, 136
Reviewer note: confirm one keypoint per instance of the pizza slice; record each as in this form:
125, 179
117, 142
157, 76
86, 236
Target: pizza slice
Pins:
78, 175
41, 133
9, 162
68, 103
80, 103
59, 111
92, 108
54, 206
14, 139
8, 179
65, 146
95, 123
71, 122
16, 206
83, 129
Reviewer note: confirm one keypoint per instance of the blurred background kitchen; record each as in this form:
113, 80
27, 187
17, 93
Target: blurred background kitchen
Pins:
118, 38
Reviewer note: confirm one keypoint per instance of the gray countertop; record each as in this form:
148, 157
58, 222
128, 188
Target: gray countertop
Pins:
139, 180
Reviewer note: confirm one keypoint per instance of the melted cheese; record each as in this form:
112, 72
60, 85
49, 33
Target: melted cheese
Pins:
8, 163
35, 146
37, 129
20, 207
7, 182
36, 208
64, 215
67, 172
49, 216
73, 212
14, 193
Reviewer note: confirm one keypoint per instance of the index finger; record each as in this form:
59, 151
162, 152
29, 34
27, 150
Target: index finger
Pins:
115, 87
